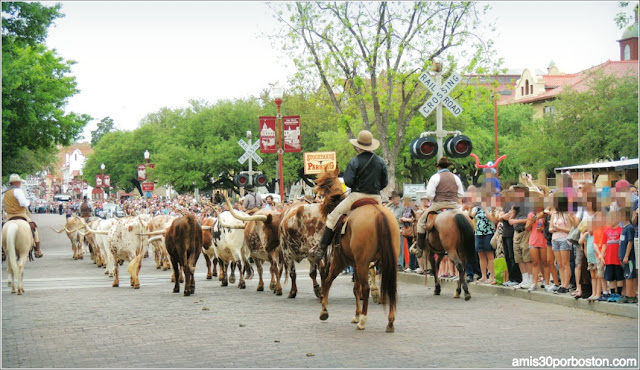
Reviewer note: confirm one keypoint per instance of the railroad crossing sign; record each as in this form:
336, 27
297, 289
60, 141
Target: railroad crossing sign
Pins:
440, 94
249, 151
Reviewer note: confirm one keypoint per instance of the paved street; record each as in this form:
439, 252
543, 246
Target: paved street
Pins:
70, 316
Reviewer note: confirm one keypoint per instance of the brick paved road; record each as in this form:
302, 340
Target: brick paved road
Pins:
70, 316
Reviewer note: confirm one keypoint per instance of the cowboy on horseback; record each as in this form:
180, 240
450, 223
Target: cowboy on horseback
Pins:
444, 190
85, 209
366, 175
16, 205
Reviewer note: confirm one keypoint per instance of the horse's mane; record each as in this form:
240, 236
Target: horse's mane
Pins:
329, 187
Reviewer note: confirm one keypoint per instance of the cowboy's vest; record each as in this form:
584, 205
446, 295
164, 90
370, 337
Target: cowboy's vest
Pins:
85, 210
12, 206
447, 189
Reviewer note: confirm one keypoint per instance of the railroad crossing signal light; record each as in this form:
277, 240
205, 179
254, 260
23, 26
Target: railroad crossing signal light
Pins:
458, 146
241, 180
260, 180
423, 148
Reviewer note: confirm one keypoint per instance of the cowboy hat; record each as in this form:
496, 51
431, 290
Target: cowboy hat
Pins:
365, 141
15, 178
444, 162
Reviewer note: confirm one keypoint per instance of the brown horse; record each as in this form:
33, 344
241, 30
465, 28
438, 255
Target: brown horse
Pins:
452, 234
371, 237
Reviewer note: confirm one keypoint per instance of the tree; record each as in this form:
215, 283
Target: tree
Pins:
35, 88
367, 57
622, 19
104, 126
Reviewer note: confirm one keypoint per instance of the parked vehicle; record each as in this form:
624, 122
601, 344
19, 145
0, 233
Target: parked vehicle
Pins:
110, 210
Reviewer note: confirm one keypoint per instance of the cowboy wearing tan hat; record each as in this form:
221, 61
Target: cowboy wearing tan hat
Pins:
366, 175
15, 203
444, 190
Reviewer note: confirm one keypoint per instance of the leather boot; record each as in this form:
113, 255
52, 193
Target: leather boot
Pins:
321, 250
38, 252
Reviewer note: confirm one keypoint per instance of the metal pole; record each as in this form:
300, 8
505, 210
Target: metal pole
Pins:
250, 160
280, 151
439, 133
495, 127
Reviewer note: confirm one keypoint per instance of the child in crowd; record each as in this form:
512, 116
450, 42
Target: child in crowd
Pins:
627, 256
610, 242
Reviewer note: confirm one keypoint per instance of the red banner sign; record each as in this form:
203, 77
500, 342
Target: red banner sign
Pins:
98, 181
147, 186
291, 128
142, 172
267, 130
107, 180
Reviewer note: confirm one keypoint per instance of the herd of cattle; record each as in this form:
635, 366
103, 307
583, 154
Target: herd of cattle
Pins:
230, 239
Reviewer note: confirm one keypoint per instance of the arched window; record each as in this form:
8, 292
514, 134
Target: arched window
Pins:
627, 52
526, 83
522, 90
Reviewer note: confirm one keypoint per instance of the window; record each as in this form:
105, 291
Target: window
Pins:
76, 156
527, 86
548, 110
627, 52
521, 90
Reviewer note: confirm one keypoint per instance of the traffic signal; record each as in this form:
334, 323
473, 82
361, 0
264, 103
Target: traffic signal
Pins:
241, 180
423, 148
260, 180
458, 146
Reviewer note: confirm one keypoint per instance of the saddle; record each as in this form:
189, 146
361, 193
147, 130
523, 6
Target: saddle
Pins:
342, 221
431, 218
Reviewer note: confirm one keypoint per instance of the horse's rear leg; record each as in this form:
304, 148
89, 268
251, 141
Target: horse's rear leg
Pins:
461, 281
357, 292
363, 279
375, 292
333, 273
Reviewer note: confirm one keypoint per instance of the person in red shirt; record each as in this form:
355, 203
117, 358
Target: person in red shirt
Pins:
613, 272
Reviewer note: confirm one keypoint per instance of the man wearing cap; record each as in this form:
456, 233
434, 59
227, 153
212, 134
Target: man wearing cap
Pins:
16, 205
252, 201
444, 190
366, 175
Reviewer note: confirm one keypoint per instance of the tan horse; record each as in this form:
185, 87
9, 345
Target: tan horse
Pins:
17, 241
371, 237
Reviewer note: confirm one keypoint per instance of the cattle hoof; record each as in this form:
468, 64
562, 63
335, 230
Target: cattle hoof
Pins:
360, 327
81, 257
272, 286
110, 274
137, 286
260, 288
19, 292
356, 319
158, 267
224, 283
232, 279
324, 315
317, 291
104, 266
209, 277
437, 290
214, 274
292, 294
278, 292
467, 297
390, 329
176, 290
241, 285
187, 294
115, 285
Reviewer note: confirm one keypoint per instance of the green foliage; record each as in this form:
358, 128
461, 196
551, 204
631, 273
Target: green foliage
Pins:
35, 88
105, 125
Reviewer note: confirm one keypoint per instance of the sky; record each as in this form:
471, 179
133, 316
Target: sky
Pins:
134, 58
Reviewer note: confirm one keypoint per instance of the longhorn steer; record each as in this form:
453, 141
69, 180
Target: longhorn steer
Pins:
229, 246
207, 249
263, 240
72, 226
184, 244
127, 244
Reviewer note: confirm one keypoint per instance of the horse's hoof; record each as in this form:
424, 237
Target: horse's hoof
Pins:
324, 315
467, 297
232, 279
292, 294
260, 289
375, 295
317, 291
390, 329
456, 296
356, 319
359, 327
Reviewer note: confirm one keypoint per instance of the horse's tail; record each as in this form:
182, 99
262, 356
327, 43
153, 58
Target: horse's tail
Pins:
389, 283
466, 237
12, 236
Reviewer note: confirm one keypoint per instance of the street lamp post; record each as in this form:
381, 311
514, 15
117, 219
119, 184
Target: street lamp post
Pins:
102, 184
81, 185
146, 156
277, 98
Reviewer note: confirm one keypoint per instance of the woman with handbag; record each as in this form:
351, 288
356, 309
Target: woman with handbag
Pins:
406, 221
486, 216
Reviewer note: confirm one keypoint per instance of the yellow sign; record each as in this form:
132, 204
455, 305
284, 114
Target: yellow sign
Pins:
316, 162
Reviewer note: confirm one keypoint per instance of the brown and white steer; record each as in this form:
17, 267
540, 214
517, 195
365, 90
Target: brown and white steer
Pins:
160, 222
263, 240
71, 227
127, 244
184, 244
207, 249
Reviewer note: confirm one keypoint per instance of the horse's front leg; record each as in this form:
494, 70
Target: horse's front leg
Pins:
334, 271
435, 267
313, 273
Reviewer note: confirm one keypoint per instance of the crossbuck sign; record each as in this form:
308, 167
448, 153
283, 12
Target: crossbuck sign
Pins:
249, 151
440, 94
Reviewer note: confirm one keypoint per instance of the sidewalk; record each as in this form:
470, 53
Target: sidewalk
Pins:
449, 287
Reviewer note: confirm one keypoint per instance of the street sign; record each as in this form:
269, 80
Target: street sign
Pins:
440, 94
249, 152
315, 162
147, 186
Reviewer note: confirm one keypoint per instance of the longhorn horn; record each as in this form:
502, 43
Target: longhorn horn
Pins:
57, 231
156, 238
240, 217
92, 231
205, 227
153, 233
222, 224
